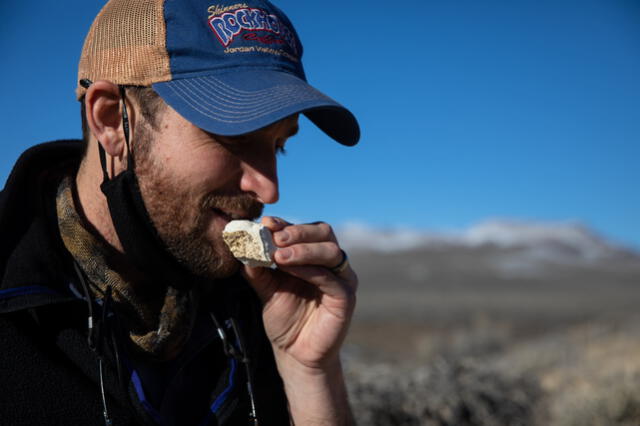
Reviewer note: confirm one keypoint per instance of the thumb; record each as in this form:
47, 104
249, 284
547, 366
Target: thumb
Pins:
262, 280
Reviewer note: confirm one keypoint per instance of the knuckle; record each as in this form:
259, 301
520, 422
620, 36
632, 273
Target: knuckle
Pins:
302, 252
334, 250
295, 234
325, 229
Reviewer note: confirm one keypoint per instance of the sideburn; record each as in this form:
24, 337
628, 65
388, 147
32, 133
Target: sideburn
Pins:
137, 234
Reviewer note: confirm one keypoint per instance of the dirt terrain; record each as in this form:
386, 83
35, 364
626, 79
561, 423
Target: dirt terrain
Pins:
491, 335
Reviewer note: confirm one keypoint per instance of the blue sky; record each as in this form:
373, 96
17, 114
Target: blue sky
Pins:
470, 110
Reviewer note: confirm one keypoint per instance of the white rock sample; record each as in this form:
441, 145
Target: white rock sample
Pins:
251, 243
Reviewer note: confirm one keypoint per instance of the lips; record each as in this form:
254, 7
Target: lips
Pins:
233, 207
231, 215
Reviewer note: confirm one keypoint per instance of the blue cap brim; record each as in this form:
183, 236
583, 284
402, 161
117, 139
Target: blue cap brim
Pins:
243, 101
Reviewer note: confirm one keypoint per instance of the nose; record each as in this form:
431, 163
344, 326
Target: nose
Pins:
261, 179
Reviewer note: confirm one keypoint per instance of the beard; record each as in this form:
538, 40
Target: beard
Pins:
183, 219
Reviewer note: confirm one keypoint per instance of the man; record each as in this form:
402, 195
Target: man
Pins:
120, 303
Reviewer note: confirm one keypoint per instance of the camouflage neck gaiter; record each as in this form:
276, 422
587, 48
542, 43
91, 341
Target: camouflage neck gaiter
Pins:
159, 318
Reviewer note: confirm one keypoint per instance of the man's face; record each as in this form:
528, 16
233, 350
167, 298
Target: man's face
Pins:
193, 183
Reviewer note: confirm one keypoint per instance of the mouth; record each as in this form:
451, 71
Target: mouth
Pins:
229, 216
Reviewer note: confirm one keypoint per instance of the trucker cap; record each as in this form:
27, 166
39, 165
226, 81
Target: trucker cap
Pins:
228, 67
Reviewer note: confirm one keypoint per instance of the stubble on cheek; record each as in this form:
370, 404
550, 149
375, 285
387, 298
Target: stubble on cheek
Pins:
185, 218
184, 223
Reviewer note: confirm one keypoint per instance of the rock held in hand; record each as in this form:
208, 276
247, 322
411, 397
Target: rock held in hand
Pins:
251, 243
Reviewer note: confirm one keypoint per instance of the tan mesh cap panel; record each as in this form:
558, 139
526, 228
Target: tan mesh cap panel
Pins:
126, 45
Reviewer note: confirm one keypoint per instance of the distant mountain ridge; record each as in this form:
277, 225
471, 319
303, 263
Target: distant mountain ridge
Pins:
541, 240
501, 267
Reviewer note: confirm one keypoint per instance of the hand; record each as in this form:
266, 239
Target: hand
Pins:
307, 308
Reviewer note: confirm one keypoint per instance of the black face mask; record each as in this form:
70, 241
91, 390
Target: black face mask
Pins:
138, 236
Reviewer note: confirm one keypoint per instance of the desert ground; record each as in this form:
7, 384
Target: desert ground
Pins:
525, 334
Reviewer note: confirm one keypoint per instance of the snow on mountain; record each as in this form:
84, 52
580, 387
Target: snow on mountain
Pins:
360, 236
559, 238
541, 240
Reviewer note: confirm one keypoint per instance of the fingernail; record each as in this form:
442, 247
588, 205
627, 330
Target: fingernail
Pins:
282, 236
280, 221
285, 254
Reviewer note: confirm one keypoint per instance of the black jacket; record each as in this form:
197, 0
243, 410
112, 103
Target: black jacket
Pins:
50, 374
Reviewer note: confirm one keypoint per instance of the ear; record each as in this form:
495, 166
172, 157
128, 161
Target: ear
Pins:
102, 104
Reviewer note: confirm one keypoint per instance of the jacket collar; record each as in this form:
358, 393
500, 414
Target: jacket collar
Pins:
34, 265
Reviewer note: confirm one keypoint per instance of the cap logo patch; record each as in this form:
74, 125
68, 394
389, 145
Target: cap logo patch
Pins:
227, 24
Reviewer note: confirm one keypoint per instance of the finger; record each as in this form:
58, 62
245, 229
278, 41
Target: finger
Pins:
308, 233
323, 279
327, 254
265, 281
274, 223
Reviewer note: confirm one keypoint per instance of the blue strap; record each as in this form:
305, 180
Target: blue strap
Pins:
223, 396
25, 291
